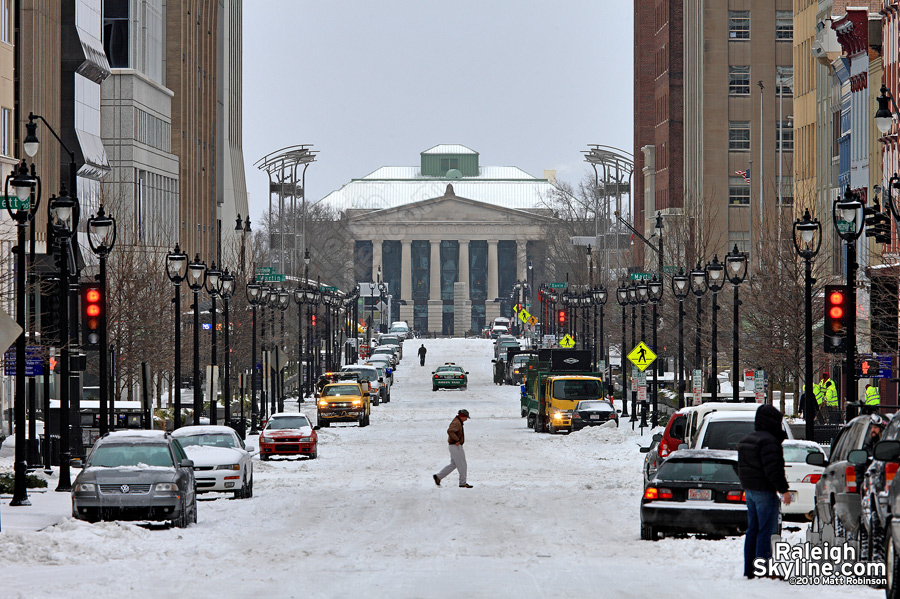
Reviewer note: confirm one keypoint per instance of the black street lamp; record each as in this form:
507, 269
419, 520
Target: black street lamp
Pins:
654, 293
715, 276
887, 109
243, 229
807, 241
622, 298
633, 301
102, 238
736, 262
680, 283
849, 211
699, 285
196, 280
227, 289
312, 307
24, 186
300, 299
598, 298
214, 288
176, 263
284, 300
274, 302
254, 292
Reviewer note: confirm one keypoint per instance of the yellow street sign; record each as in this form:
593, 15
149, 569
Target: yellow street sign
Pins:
567, 341
641, 356
524, 316
532, 320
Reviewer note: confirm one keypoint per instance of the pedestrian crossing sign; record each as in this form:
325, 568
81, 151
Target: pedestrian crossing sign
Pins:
567, 341
641, 356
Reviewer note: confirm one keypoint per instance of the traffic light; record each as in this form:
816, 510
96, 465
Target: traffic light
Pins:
878, 224
561, 318
836, 317
91, 316
314, 320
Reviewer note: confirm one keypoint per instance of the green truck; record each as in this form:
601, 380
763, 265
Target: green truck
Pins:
553, 387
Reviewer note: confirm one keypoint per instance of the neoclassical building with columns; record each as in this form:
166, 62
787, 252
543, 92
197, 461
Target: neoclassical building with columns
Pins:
451, 237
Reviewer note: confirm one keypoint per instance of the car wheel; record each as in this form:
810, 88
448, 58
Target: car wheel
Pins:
250, 488
182, 520
323, 423
264, 457
876, 539
375, 401
434, 388
242, 493
194, 511
892, 590
313, 455
464, 387
529, 421
649, 533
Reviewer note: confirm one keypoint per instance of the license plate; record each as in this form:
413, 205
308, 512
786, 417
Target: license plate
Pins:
700, 494
595, 416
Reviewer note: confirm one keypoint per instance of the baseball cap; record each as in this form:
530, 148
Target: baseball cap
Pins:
464, 413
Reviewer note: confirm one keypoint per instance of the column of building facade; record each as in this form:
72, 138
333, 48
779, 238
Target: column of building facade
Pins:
521, 260
462, 304
376, 258
407, 312
435, 304
491, 308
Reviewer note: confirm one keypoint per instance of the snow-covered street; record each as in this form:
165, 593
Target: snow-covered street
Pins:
549, 516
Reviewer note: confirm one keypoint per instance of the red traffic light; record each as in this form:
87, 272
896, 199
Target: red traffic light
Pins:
93, 295
836, 297
836, 312
562, 317
313, 320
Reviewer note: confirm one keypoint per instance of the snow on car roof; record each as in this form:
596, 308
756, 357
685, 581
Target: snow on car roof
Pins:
802, 443
201, 430
136, 433
704, 454
291, 413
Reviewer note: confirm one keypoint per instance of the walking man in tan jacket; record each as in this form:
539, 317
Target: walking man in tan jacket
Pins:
456, 436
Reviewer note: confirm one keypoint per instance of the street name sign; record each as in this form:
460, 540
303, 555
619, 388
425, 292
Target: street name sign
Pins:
276, 278
265, 270
557, 285
641, 356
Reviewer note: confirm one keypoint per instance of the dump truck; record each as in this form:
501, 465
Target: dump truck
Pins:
554, 385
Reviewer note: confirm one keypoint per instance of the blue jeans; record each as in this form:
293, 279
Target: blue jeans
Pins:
762, 523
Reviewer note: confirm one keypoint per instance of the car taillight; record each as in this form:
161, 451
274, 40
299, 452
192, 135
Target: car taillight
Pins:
612, 416
890, 469
850, 478
811, 478
735, 496
435, 376
663, 448
576, 415
665, 493
651, 493
461, 376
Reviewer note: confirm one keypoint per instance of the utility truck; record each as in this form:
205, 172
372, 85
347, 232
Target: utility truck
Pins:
554, 385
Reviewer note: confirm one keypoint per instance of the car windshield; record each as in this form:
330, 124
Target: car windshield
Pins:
365, 374
574, 389
521, 359
383, 350
399, 328
113, 455
726, 434
209, 440
389, 341
341, 390
285, 422
449, 369
693, 470
593, 405
798, 453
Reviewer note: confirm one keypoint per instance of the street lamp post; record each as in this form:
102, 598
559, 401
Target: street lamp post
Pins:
736, 262
622, 298
196, 280
102, 238
23, 185
284, 300
699, 285
213, 288
176, 261
264, 292
274, 302
254, 290
598, 298
312, 307
300, 299
633, 301
715, 272
243, 229
807, 241
680, 284
227, 289
850, 210
655, 292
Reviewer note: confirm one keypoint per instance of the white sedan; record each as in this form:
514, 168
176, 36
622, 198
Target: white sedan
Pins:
221, 461
801, 477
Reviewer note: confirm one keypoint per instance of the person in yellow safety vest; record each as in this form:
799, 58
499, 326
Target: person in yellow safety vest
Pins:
873, 397
818, 393
831, 396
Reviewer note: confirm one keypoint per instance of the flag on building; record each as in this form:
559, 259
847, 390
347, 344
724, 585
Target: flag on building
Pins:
745, 174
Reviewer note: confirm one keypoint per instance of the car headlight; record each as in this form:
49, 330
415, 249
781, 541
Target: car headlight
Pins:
228, 467
305, 439
85, 488
166, 487
323, 403
357, 402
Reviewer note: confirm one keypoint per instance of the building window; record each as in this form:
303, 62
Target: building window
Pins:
739, 24
741, 239
738, 191
4, 22
784, 25
115, 32
448, 163
739, 135
784, 137
787, 191
4, 131
784, 80
739, 81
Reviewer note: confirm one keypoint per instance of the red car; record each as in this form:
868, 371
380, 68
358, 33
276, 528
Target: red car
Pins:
288, 433
670, 441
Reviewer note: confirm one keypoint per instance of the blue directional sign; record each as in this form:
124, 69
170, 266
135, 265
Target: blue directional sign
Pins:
872, 366
34, 361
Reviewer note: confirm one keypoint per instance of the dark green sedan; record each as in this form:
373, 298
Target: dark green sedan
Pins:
449, 376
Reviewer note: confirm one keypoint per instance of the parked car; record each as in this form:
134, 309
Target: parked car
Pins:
401, 329
694, 491
801, 477
393, 340
389, 351
888, 451
222, 463
498, 330
449, 376
670, 440
875, 506
838, 501
288, 433
385, 363
517, 367
695, 415
369, 374
724, 430
383, 374
136, 475
501, 347
593, 412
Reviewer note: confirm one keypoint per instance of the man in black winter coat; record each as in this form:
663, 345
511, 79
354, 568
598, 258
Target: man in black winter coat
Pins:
761, 469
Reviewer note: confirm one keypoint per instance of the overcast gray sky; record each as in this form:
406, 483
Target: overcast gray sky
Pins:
373, 83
